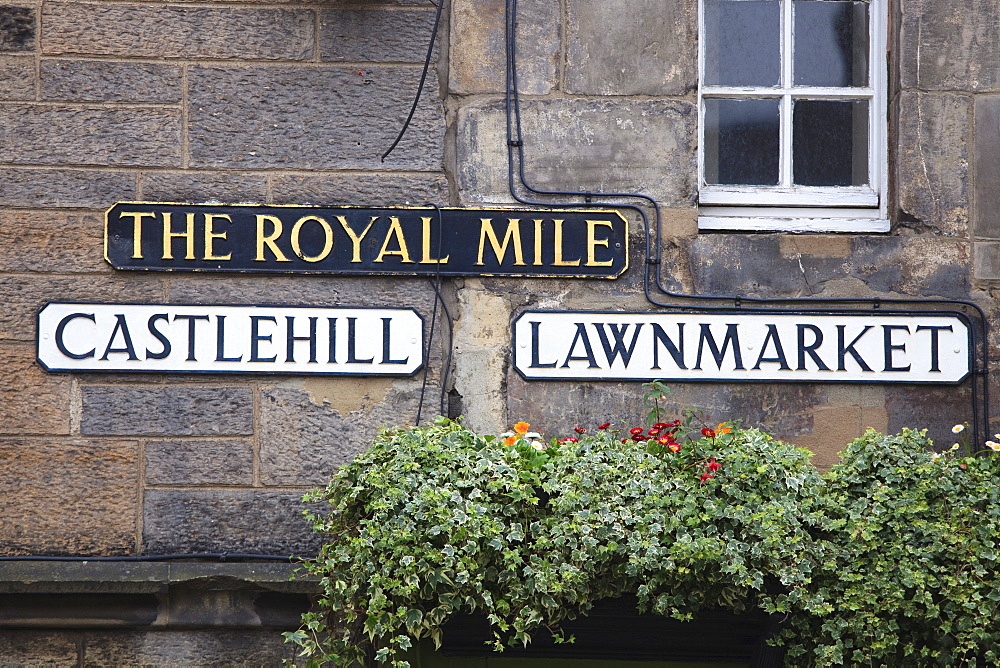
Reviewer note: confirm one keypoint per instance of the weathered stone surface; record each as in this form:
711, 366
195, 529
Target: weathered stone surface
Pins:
360, 189
104, 81
166, 411
623, 145
17, 78
950, 45
27, 649
245, 520
936, 408
34, 402
68, 497
228, 462
760, 266
987, 167
312, 118
477, 62
17, 28
986, 260
236, 649
649, 49
375, 35
202, 186
25, 294
305, 434
163, 31
70, 188
482, 333
934, 162
50, 240
86, 135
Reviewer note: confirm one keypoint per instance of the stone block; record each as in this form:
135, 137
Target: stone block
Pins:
69, 497
231, 648
986, 260
477, 60
933, 162
68, 188
17, 77
226, 462
359, 189
936, 408
606, 145
105, 81
28, 649
950, 45
307, 432
34, 402
375, 35
166, 411
986, 183
85, 135
312, 118
165, 31
25, 294
237, 520
650, 49
17, 28
200, 186
51, 241
916, 266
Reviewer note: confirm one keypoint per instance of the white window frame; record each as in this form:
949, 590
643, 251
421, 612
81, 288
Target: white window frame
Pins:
802, 208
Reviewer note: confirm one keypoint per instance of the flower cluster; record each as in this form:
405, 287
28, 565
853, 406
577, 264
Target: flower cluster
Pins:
521, 433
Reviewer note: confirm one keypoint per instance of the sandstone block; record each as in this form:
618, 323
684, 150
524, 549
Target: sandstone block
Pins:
650, 49
17, 77
987, 167
104, 81
934, 161
312, 118
164, 31
227, 462
202, 186
240, 520
52, 241
77, 497
950, 45
622, 145
17, 28
45, 408
375, 35
84, 135
478, 55
186, 648
986, 260
23, 649
359, 189
167, 411
69, 188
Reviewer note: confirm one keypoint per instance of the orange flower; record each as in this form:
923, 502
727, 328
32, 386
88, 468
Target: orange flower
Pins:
510, 440
723, 428
521, 428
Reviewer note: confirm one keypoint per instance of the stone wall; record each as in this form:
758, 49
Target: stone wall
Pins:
293, 103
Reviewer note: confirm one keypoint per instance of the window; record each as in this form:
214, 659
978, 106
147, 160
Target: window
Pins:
792, 115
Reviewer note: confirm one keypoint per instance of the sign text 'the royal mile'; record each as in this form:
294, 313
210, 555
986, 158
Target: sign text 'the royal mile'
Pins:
368, 241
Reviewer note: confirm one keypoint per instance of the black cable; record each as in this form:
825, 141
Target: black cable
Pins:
515, 142
436, 285
423, 78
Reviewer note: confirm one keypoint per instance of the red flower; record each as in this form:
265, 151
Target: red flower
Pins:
580, 430
664, 440
654, 431
706, 477
571, 439
708, 432
604, 426
660, 425
639, 438
674, 447
713, 465
636, 430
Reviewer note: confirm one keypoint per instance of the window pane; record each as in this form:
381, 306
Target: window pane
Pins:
742, 142
831, 43
830, 142
742, 42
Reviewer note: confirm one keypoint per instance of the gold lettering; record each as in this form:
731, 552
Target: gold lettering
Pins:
327, 244
169, 235
558, 245
513, 235
211, 235
355, 238
395, 230
592, 242
427, 244
137, 217
538, 242
269, 240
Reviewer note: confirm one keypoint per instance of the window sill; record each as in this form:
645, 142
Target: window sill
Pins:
748, 220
